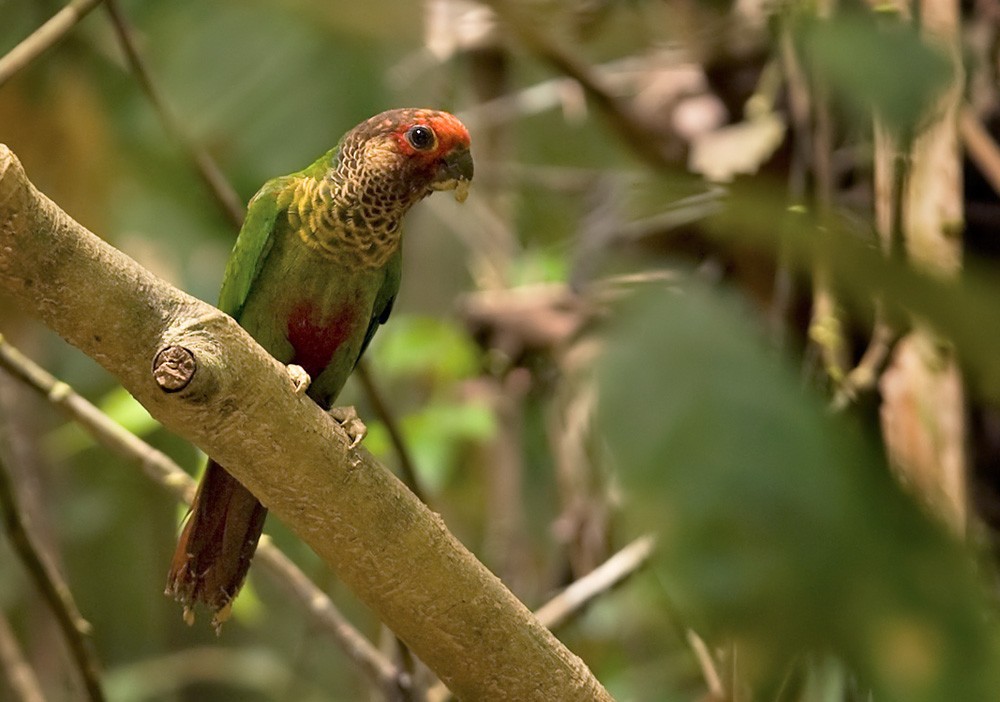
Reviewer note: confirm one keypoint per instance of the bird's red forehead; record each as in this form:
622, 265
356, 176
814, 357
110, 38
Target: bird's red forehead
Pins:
448, 129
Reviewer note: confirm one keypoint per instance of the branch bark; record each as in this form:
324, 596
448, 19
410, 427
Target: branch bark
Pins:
240, 407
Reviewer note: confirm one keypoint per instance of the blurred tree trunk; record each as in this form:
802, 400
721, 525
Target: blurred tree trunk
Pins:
923, 399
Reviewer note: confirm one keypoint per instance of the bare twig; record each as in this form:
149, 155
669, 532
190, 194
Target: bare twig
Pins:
376, 667
646, 142
709, 670
980, 146
224, 193
628, 560
157, 465
826, 327
163, 471
864, 376
561, 608
20, 676
44, 37
406, 464
55, 591
506, 534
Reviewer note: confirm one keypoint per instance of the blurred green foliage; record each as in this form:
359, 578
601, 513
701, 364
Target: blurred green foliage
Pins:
425, 358
779, 524
876, 66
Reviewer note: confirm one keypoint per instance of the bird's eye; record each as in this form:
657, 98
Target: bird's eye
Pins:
420, 137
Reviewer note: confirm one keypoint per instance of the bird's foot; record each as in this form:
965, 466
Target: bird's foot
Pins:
300, 379
349, 421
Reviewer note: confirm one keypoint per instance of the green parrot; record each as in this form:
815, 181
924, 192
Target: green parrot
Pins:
313, 274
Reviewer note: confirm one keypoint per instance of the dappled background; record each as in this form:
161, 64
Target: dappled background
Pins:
725, 281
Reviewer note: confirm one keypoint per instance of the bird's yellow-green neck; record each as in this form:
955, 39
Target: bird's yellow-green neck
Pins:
348, 205
351, 228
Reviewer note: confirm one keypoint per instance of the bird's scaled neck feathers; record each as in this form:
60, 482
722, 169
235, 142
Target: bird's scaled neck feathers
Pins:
351, 210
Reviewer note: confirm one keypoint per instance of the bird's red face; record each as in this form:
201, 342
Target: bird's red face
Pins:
430, 149
438, 143
430, 134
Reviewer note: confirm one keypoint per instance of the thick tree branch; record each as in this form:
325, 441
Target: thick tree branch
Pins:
240, 407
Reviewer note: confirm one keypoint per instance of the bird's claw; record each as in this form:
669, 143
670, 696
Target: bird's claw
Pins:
300, 379
349, 421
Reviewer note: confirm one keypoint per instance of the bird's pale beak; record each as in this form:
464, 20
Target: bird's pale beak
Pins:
455, 173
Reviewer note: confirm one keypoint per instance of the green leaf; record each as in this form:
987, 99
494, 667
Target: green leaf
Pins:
436, 435
414, 345
877, 65
779, 525
69, 439
439, 432
124, 409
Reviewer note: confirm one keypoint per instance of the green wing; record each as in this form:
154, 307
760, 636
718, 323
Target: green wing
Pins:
252, 246
383, 301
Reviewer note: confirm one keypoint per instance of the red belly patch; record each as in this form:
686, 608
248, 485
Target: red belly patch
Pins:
316, 337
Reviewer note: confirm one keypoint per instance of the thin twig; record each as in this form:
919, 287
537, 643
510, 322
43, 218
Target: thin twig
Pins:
408, 472
407, 467
377, 667
155, 464
75, 629
574, 598
709, 671
864, 376
164, 472
645, 142
980, 146
826, 327
20, 675
224, 193
580, 593
43, 38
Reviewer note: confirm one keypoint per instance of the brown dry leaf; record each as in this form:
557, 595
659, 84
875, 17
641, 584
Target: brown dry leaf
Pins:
737, 149
923, 424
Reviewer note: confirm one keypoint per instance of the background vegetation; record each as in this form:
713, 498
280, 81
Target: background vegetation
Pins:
726, 278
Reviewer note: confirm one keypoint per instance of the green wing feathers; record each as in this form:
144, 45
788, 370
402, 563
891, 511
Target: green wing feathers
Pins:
383, 301
252, 246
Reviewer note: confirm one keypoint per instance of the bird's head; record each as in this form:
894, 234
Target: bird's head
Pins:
402, 155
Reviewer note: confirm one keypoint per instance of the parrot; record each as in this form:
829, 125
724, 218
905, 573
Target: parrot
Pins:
313, 274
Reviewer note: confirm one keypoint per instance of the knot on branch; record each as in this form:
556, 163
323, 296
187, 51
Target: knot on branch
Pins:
173, 368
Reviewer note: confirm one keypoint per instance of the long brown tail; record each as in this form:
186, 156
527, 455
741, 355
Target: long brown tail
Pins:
215, 547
